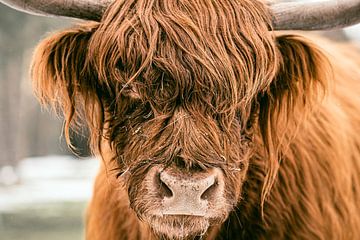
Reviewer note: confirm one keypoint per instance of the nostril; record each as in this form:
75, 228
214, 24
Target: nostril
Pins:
209, 192
163, 189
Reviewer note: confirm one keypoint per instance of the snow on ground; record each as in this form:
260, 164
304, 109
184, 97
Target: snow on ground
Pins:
49, 179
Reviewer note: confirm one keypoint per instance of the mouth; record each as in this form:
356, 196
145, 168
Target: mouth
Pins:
179, 226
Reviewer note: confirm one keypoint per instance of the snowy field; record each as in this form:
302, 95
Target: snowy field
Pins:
47, 198
49, 179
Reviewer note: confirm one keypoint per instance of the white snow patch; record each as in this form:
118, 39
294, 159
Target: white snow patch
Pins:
50, 179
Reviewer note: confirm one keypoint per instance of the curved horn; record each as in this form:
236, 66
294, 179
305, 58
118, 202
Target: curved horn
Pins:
315, 15
310, 15
82, 9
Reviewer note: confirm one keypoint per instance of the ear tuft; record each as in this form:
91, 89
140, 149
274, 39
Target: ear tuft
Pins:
299, 85
58, 71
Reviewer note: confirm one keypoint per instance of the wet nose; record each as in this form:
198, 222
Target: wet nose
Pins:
185, 194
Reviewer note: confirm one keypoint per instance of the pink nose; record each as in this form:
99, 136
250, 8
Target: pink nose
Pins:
189, 194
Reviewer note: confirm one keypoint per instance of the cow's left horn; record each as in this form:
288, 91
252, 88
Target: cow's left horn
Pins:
315, 15
82, 9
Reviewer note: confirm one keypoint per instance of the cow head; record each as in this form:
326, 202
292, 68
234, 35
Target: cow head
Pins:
183, 94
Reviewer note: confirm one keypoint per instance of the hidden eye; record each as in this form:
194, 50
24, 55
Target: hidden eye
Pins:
130, 90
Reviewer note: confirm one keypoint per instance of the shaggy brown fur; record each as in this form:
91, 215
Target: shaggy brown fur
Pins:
208, 82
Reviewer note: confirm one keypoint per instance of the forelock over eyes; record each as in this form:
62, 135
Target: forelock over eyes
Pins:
188, 52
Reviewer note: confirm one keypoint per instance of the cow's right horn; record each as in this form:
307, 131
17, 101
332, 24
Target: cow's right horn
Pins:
315, 15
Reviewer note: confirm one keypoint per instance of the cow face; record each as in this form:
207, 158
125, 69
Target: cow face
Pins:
177, 92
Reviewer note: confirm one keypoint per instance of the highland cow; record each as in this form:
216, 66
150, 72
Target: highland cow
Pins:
209, 123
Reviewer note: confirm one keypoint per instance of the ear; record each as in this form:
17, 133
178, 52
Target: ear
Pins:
59, 71
298, 86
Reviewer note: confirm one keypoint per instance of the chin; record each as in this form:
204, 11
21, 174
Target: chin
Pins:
179, 227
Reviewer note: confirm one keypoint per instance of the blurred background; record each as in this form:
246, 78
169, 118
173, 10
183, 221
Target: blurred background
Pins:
44, 188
